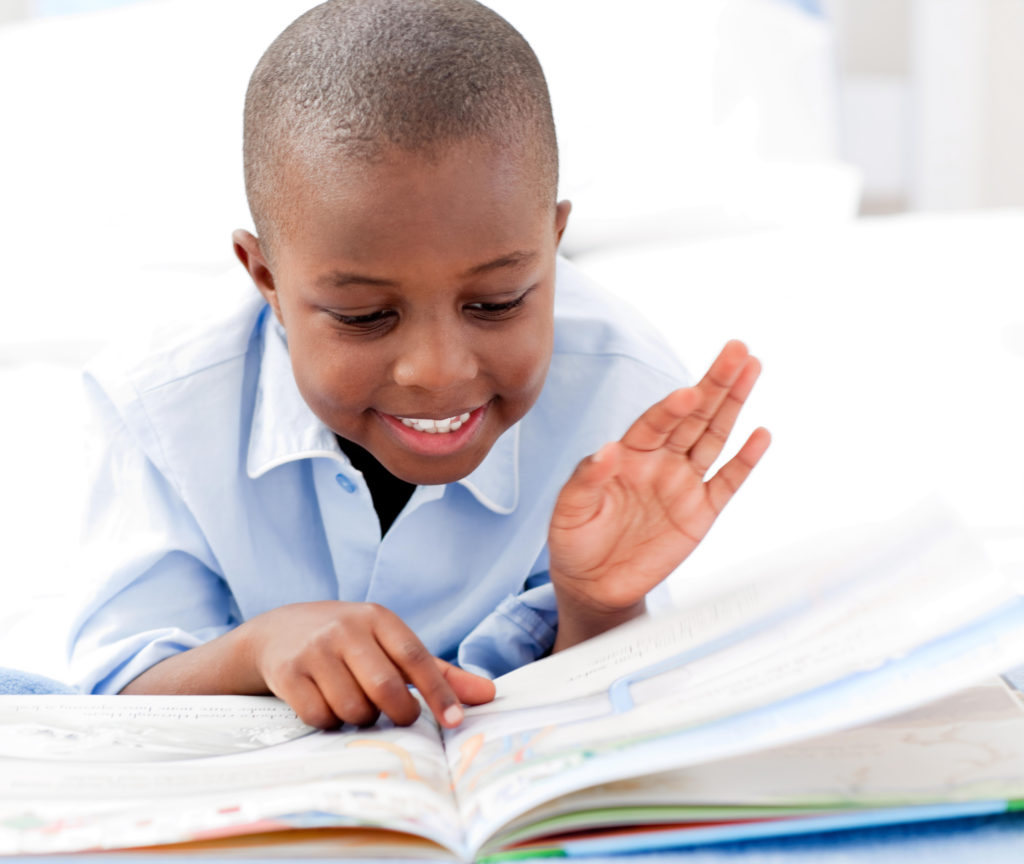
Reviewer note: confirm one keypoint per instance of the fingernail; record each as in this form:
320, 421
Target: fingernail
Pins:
453, 715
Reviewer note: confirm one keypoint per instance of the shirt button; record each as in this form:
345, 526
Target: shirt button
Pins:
345, 483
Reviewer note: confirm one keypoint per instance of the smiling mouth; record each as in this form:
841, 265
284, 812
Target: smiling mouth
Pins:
433, 436
435, 427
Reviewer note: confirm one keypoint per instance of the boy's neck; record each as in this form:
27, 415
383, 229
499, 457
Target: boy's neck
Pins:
389, 493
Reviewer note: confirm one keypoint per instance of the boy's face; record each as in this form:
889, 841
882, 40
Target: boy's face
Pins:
417, 298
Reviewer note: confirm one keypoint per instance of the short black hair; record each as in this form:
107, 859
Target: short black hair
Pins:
351, 78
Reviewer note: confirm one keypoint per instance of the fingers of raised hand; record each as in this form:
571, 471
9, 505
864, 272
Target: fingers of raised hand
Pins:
659, 422
718, 426
696, 421
730, 476
712, 389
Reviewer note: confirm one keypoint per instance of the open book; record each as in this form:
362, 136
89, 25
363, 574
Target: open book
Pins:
756, 708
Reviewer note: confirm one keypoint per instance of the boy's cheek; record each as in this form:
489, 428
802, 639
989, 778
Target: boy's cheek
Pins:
521, 355
330, 387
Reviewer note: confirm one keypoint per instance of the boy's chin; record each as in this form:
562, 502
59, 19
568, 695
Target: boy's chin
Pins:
424, 471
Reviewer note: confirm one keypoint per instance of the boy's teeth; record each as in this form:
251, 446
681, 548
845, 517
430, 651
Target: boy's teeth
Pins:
449, 424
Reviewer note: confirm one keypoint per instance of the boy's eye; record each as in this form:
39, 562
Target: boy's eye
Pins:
370, 321
496, 311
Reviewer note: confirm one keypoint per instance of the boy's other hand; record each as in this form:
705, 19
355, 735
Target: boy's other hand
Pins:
632, 512
337, 662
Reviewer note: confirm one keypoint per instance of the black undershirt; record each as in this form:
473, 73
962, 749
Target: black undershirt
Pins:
389, 493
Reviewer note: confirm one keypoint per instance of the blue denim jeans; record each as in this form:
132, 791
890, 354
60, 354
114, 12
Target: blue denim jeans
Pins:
13, 682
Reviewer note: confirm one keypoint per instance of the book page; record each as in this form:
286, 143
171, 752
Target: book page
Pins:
717, 679
928, 559
969, 746
105, 772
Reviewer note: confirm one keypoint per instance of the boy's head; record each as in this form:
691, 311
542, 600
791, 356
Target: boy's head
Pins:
401, 168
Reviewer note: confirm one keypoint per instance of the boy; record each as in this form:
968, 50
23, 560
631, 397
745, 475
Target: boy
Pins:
357, 480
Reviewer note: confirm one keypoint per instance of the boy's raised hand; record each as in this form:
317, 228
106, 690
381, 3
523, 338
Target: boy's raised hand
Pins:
634, 510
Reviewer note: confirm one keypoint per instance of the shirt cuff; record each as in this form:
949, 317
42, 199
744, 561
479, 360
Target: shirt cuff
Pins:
522, 629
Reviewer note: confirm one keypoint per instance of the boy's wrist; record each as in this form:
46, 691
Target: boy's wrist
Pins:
241, 657
579, 620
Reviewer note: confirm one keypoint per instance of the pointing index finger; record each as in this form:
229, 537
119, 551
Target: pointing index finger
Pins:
419, 667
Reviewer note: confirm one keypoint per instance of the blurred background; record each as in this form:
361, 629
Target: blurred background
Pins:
930, 101
838, 182
928, 94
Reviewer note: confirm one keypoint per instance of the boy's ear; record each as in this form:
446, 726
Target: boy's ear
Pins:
562, 209
248, 251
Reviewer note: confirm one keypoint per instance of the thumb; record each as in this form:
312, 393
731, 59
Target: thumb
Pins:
583, 494
469, 688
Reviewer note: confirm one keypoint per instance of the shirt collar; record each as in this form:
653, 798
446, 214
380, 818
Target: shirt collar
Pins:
285, 429
495, 482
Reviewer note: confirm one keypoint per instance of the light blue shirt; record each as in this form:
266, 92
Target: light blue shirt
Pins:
217, 494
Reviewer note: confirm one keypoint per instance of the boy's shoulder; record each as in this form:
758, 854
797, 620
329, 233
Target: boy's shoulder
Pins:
591, 321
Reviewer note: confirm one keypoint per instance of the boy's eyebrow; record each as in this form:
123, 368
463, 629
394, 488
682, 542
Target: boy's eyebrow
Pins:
513, 259
341, 279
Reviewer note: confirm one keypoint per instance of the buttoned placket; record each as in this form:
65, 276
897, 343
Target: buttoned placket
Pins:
352, 526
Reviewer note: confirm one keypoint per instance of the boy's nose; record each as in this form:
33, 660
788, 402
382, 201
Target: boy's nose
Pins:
436, 360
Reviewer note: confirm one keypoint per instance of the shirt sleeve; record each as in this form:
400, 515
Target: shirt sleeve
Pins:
150, 586
522, 629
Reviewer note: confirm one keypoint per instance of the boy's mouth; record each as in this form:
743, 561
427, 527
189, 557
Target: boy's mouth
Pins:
431, 436
435, 427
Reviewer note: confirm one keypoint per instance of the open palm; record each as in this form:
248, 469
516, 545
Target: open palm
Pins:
639, 506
